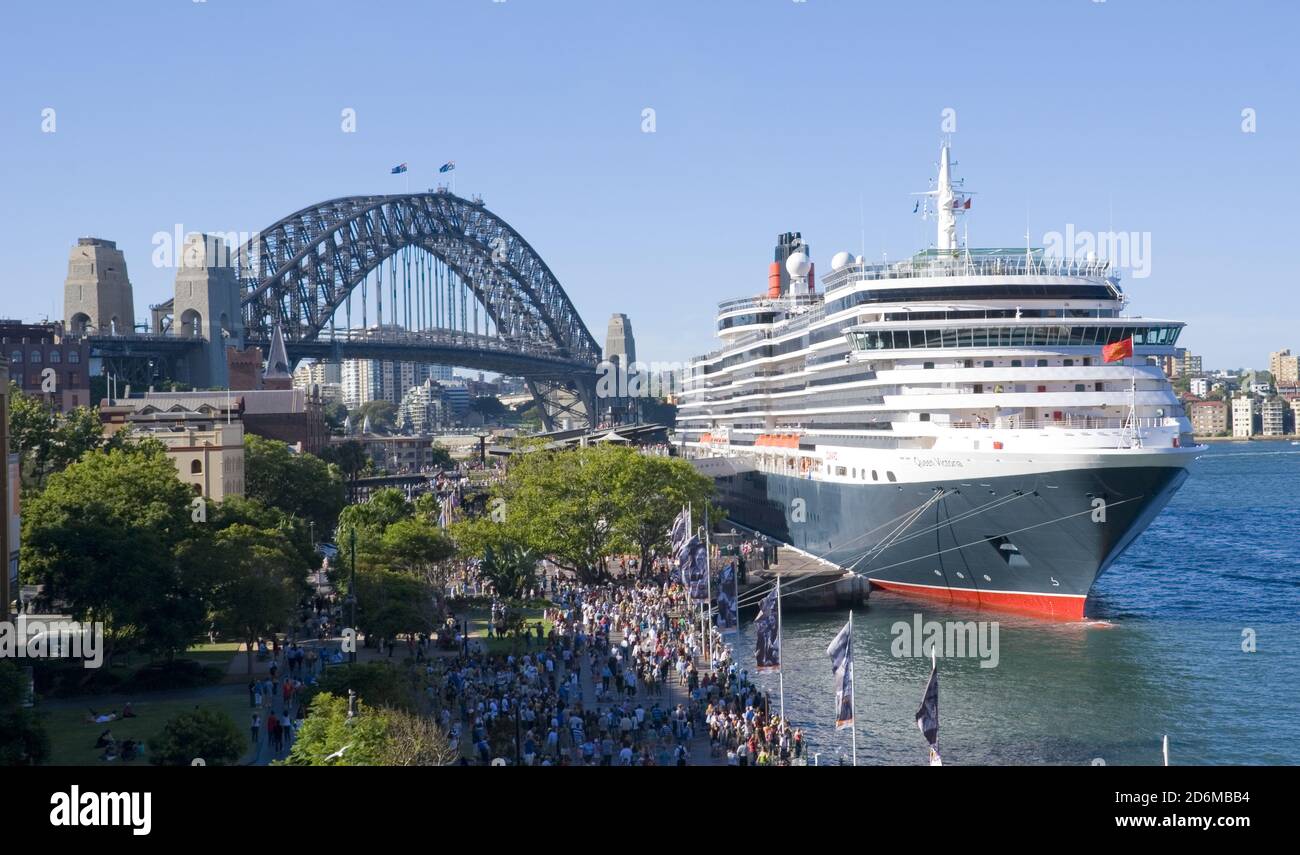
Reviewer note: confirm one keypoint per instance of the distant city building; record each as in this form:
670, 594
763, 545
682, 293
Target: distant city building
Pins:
1284, 367
1243, 416
1295, 415
291, 416
204, 441
1200, 386
1209, 418
9, 526
42, 358
366, 380
1271, 417
396, 453
423, 407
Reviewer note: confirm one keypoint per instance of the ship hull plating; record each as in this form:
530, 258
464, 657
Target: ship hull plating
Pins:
1031, 543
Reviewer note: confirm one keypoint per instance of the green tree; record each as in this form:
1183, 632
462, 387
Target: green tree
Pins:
202, 732
335, 414
300, 485
511, 569
103, 538
23, 740
329, 737
390, 603
382, 415
416, 546
370, 519
256, 579
372, 737
579, 506
47, 441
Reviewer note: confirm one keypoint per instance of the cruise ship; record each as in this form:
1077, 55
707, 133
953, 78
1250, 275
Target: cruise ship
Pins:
950, 426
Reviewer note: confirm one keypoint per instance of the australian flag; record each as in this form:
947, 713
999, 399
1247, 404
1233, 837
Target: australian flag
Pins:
841, 654
398, 169
448, 166
927, 717
767, 631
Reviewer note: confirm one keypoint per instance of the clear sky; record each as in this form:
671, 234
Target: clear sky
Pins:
770, 115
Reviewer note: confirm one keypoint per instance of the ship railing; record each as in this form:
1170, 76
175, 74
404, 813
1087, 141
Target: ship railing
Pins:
1002, 265
1066, 423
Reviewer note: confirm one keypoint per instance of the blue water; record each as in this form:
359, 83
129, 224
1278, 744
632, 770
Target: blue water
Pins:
1161, 654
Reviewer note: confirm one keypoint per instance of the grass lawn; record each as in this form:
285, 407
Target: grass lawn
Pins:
478, 626
72, 738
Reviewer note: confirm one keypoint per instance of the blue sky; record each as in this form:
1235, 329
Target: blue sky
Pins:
770, 115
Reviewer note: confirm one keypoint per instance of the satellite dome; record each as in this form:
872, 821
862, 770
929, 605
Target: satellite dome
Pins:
798, 265
840, 259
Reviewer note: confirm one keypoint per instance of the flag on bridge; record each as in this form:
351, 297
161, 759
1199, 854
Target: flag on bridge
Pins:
448, 166
398, 169
841, 653
927, 717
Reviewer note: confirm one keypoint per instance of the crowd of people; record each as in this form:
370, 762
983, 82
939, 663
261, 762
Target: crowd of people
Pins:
615, 681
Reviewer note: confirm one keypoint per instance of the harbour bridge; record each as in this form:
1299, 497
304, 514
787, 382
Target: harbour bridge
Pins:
430, 277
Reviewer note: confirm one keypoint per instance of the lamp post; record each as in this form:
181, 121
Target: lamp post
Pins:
352, 592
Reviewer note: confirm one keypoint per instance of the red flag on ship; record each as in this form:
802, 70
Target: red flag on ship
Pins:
1117, 351
967, 205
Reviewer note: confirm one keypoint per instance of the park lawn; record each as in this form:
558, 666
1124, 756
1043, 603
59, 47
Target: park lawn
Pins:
478, 624
72, 739
219, 654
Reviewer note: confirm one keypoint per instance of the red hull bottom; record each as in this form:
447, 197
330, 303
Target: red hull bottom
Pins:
1058, 607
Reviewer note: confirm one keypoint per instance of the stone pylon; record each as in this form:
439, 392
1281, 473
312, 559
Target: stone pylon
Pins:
207, 307
97, 296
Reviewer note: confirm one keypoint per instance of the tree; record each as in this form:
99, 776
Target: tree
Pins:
378, 684
256, 579
335, 414
23, 740
103, 538
441, 458
382, 415
351, 459
209, 734
47, 441
651, 491
298, 484
329, 737
370, 519
390, 603
579, 506
511, 569
489, 407
416, 546
372, 737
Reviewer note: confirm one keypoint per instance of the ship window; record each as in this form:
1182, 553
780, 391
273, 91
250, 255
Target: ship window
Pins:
1087, 360
979, 388
1042, 363
890, 476
925, 417
839, 470
1007, 551
874, 475
1101, 387
927, 364
988, 363
1068, 363
1078, 387
1015, 363
970, 363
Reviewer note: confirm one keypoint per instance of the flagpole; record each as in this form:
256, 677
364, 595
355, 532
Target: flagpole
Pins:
853, 687
708, 587
780, 671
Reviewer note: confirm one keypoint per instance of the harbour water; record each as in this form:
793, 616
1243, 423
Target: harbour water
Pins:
1162, 652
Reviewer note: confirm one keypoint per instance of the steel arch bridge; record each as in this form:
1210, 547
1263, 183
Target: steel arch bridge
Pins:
301, 270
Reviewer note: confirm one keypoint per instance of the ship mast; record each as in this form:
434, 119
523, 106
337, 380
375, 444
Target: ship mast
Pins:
950, 199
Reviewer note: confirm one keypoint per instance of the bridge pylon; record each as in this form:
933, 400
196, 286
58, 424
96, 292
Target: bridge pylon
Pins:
207, 307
